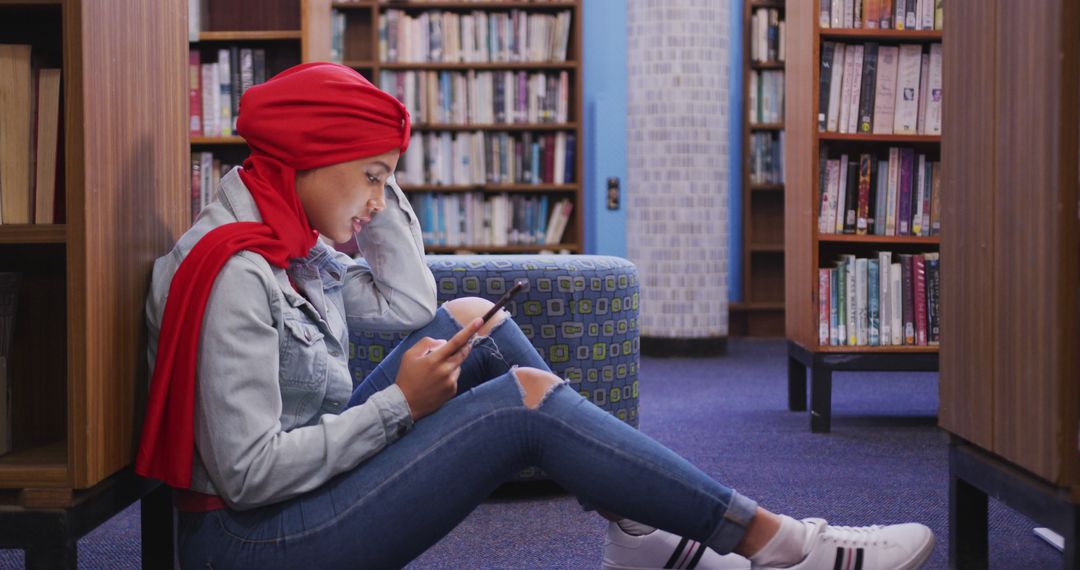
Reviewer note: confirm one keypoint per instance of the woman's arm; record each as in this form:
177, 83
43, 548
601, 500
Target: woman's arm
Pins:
239, 437
391, 289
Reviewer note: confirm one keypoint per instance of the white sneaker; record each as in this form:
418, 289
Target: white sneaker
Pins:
894, 547
661, 549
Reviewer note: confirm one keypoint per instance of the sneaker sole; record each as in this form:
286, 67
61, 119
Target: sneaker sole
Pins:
921, 557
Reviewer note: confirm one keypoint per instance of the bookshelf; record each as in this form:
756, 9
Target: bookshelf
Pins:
761, 312
360, 50
1009, 364
807, 248
79, 358
273, 28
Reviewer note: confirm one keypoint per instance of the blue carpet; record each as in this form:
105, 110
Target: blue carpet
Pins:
884, 462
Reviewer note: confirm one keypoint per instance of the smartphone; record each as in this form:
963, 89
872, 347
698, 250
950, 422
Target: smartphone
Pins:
519, 286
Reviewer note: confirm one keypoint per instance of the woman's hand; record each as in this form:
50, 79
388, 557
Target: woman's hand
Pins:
429, 370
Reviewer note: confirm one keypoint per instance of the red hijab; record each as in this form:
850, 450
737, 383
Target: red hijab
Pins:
308, 116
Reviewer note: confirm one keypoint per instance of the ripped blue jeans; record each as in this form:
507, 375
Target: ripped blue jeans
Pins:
391, 508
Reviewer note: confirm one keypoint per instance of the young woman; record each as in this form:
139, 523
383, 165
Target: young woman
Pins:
279, 462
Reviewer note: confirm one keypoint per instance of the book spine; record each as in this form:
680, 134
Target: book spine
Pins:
924, 93
834, 307
851, 201
861, 312
836, 88
842, 303
885, 90
824, 13
933, 299
195, 93
926, 173
907, 298
935, 198
919, 191
906, 178
863, 209
841, 195
884, 296
866, 98
823, 306
881, 189
893, 187
933, 99
824, 80
873, 303
896, 279
852, 300
856, 90
906, 115
885, 14
827, 220
918, 276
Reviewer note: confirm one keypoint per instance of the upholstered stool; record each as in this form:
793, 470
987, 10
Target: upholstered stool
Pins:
581, 313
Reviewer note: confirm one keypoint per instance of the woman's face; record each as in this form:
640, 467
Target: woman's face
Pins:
342, 198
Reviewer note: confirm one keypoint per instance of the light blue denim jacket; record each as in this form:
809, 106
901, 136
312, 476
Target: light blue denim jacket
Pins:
272, 365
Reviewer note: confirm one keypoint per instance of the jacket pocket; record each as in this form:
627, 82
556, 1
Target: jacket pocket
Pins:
303, 353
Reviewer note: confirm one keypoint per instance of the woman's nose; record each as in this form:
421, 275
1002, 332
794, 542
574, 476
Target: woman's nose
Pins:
377, 204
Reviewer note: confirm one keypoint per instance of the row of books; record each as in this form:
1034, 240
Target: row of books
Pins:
206, 172
478, 37
475, 219
485, 97
880, 89
767, 158
766, 97
881, 14
900, 196
887, 300
31, 148
452, 159
215, 87
766, 35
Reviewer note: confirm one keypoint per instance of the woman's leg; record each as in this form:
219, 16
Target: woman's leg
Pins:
393, 507
499, 346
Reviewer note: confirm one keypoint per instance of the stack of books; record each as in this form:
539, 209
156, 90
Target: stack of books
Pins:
478, 158
897, 196
477, 37
216, 87
881, 14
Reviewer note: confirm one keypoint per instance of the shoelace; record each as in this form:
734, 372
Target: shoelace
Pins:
853, 535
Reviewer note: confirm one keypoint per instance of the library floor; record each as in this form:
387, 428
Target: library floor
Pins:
885, 461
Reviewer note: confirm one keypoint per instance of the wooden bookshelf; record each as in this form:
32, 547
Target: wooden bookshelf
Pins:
249, 35
760, 313
806, 248
78, 371
360, 51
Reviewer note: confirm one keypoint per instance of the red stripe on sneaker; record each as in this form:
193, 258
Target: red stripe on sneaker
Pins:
839, 563
697, 557
678, 552
849, 559
686, 555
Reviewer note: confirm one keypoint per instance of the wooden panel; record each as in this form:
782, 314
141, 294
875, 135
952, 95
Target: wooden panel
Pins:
967, 228
127, 206
767, 282
1035, 251
252, 15
800, 158
315, 22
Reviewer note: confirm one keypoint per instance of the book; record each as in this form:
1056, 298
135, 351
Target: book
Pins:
881, 192
907, 298
885, 90
194, 92
935, 198
863, 208
834, 307
824, 13
836, 88
933, 299
893, 192
841, 196
928, 196
861, 309
899, 16
871, 14
885, 15
224, 103
823, 306
924, 92
866, 97
938, 15
851, 272
906, 114
873, 303
16, 133
851, 200
918, 294
849, 13
919, 192
933, 100
884, 296
896, 280
841, 303
903, 215
849, 114
824, 79
47, 140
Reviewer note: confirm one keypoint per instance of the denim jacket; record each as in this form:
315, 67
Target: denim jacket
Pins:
272, 375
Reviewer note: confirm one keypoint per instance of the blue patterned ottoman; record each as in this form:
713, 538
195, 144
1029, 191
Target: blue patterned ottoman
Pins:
581, 313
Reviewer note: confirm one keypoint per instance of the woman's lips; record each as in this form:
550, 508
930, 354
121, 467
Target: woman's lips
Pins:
359, 223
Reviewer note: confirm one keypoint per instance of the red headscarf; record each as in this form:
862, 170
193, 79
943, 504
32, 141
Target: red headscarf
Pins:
311, 115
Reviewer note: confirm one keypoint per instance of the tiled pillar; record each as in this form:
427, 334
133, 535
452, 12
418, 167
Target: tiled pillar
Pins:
678, 164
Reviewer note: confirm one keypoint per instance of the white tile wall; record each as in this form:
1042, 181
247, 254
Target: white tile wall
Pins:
678, 157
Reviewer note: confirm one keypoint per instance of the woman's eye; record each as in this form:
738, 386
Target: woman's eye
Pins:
373, 179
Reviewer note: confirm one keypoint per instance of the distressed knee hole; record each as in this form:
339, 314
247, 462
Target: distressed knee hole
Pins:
466, 309
535, 385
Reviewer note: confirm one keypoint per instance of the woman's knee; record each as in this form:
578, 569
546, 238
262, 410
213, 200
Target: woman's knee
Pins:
465, 309
535, 384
